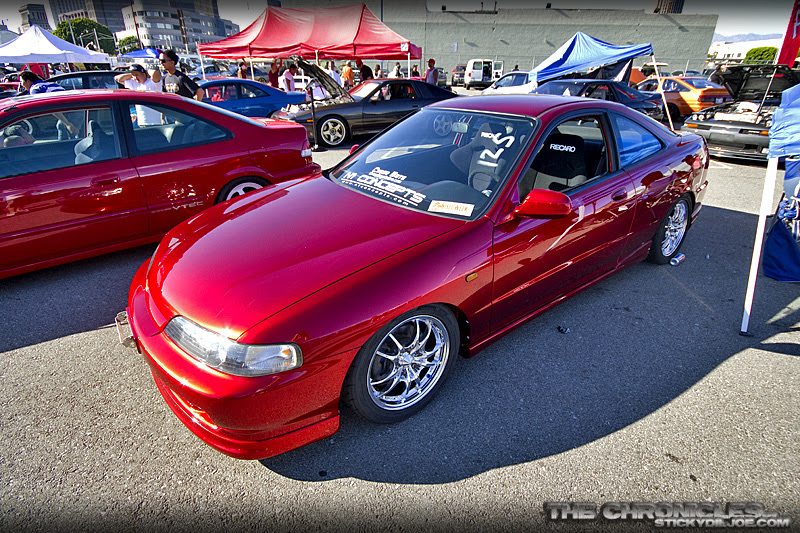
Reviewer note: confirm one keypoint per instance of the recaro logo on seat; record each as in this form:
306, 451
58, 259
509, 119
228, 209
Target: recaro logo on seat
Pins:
562, 148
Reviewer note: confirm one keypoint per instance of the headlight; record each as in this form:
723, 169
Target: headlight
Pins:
229, 356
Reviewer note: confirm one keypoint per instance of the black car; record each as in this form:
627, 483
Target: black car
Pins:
740, 128
615, 91
87, 79
369, 107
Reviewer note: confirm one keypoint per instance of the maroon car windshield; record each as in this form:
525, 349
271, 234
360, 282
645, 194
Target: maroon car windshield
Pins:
446, 162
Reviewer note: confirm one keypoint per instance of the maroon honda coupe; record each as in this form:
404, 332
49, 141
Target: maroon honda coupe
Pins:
362, 284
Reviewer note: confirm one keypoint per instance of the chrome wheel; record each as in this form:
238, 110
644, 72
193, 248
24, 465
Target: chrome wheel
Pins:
239, 187
242, 188
333, 131
408, 362
675, 228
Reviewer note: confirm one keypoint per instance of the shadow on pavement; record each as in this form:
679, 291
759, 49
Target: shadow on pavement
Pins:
637, 341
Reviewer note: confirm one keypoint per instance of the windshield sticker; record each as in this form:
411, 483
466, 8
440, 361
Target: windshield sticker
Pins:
384, 187
487, 154
394, 176
451, 208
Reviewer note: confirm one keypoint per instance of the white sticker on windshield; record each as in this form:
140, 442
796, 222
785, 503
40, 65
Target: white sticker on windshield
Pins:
451, 208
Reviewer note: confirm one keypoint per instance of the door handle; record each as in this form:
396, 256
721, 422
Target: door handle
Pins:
104, 181
619, 195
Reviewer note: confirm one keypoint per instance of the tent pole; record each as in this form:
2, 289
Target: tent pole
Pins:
409, 60
252, 69
766, 209
202, 66
663, 96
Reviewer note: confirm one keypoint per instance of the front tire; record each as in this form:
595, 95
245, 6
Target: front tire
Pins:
402, 366
671, 232
240, 186
333, 131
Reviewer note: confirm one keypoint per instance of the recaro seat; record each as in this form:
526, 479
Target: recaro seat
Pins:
559, 165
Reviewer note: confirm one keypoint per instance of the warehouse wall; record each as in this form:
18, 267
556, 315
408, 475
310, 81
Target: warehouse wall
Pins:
527, 36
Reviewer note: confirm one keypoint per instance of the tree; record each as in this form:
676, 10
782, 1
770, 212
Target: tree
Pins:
128, 44
83, 29
761, 54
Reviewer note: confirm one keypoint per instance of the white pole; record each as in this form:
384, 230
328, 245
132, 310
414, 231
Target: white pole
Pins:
252, 69
409, 60
202, 66
766, 209
663, 96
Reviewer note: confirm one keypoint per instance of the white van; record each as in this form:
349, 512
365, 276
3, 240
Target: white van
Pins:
481, 73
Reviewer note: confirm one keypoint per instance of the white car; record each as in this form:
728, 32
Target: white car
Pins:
517, 82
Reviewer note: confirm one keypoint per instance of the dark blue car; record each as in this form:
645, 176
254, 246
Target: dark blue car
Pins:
246, 97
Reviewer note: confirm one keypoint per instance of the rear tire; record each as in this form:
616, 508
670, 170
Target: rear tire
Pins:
240, 186
671, 232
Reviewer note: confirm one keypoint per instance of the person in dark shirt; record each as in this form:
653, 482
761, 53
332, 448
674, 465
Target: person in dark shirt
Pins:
175, 81
414, 72
366, 72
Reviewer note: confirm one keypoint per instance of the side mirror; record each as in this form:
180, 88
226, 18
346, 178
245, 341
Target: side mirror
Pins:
353, 149
544, 203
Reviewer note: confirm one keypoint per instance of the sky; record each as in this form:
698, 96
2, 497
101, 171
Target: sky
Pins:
735, 16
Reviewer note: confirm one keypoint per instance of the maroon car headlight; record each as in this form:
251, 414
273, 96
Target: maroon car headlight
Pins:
229, 356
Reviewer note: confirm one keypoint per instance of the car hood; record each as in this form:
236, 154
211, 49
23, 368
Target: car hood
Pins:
240, 262
753, 83
328, 83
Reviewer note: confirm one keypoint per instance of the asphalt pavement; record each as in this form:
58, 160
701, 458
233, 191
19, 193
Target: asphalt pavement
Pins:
639, 389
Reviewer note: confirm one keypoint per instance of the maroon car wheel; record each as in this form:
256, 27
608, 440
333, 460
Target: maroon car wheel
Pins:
671, 232
402, 366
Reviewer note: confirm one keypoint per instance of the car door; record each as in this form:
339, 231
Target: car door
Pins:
539, 260
180, 161
390, 102
66, 186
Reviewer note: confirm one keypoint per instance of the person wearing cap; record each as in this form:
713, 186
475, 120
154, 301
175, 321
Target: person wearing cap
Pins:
176, 82
138, 79
432, 75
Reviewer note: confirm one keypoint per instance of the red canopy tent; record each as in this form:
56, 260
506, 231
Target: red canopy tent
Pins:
344, 32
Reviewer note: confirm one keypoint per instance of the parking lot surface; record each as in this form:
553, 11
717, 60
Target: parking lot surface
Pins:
637, 389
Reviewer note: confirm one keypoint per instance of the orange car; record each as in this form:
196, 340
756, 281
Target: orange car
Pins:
687, 95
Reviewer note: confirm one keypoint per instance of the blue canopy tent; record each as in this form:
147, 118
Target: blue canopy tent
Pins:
784, 255
145, 53
584, 52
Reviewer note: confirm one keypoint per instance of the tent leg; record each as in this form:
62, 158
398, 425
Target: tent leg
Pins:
663, 96
409, 61
766, 209
252, 69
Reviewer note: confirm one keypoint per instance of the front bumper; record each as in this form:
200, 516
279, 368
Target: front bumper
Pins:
729, 140
245, 418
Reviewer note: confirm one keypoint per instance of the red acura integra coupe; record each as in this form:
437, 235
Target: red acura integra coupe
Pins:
89, 172
362, 284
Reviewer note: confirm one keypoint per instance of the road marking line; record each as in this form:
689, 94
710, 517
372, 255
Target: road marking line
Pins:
721, 165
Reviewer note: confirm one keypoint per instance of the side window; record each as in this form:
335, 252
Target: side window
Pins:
251, 92
572, 154
402, 91
171, 130
635, 142
57, 139
601, 92
71, 83
97, 81
505, 81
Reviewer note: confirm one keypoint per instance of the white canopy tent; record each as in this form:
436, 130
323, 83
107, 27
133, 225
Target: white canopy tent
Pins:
40, 46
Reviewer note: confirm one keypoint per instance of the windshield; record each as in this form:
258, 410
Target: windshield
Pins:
564, 89
452, 163
362, 90
699, 83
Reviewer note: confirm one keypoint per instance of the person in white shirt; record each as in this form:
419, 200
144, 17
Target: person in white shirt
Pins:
396, 72
432, 75
138, 79
331, 70
287, 80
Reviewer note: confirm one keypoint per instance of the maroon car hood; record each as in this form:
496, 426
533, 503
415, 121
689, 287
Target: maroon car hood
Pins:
239, 263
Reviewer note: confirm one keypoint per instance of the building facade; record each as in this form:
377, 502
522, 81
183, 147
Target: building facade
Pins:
736, 52
525, 37
34, 14
175, 24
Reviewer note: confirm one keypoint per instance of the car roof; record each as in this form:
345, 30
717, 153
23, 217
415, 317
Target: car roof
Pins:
519, 104
82, 95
